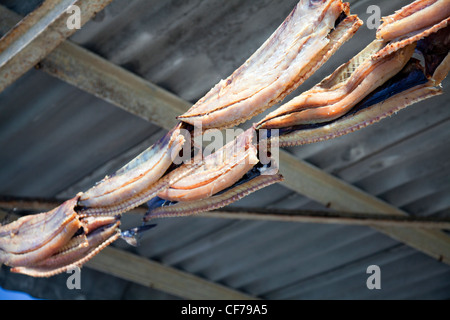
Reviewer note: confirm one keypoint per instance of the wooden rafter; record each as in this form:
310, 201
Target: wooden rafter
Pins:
143, 271
146, 272
300, 176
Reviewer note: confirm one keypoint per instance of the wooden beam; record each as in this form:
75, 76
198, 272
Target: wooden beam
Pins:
36, 35
148, 273
91, 73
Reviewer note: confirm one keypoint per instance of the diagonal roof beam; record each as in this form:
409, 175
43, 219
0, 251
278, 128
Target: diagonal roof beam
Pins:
80, 67
148, 273
39, 33
93, 74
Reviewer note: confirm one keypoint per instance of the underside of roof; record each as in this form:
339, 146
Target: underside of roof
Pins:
58, 138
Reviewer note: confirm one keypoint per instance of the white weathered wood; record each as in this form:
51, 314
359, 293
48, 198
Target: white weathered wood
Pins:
146, 272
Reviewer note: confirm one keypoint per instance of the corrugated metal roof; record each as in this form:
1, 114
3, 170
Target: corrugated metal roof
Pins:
57, 140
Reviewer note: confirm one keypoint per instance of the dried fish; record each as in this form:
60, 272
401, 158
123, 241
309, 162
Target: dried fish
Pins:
304, 42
